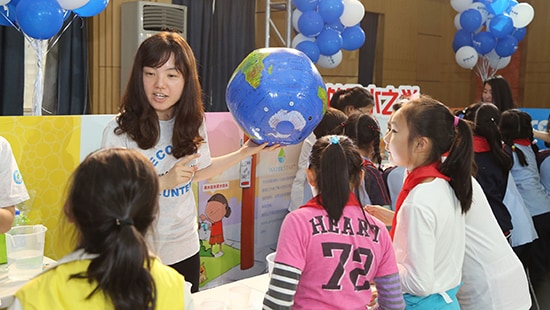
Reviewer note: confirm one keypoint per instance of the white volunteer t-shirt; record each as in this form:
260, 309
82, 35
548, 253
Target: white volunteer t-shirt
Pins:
12, 187
175, 232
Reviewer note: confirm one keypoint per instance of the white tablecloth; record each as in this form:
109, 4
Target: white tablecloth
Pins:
221, 294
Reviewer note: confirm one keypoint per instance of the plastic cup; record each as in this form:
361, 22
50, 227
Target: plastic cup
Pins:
25, 249
239, 296
270, 258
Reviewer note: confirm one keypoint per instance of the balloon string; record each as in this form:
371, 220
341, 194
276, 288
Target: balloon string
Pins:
7, 18
51, 45
38, 86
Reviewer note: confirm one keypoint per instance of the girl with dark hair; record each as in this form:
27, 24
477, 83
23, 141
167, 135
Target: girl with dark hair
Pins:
112, 201
162, 116
350, 100
517, 134
364, 131
329, 250
332, 123
428, 228
493, 164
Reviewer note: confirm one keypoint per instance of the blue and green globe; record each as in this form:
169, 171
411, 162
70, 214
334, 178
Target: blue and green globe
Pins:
276, 95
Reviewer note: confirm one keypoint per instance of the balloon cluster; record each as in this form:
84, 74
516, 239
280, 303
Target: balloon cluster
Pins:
42, 19
488, 33
325, 27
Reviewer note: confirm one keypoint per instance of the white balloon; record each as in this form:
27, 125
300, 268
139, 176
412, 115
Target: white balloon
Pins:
522, 14
4, 2
458, 26
295, 16
466, 57
481, 8
353, 13
496, 62
72, 4
461, 5
299, 38
330, 62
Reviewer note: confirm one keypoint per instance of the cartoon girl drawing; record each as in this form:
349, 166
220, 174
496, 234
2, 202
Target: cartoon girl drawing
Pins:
216, 209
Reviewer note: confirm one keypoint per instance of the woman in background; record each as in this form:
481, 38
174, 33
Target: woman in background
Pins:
497, 91
112, 201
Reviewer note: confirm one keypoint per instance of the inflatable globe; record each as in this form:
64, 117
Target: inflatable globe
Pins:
276, 95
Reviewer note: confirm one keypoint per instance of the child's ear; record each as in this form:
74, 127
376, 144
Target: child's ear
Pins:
422, 145
311, 177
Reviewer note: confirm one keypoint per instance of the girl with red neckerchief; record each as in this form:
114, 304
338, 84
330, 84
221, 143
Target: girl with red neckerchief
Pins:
428, 228
517, 134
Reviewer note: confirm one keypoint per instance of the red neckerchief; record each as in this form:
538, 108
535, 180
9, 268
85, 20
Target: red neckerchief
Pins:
524, 142
315, 202
414, 178
367, 162
481, 145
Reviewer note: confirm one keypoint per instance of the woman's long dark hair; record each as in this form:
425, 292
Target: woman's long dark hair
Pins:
516, 124
337, 165
139, 120
485, 118
427, 117
112, 200
501, 93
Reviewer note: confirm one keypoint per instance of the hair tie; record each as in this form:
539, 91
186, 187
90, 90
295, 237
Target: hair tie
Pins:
334, 139
123, 222
457, 119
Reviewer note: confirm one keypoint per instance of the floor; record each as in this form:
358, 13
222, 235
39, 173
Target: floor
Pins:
543, 296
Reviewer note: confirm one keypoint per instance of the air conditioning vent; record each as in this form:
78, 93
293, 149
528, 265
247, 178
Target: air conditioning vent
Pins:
158, 18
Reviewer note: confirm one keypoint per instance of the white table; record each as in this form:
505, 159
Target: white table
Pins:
8, 288
258, 287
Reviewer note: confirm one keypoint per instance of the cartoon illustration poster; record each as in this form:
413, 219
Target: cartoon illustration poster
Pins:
219, 206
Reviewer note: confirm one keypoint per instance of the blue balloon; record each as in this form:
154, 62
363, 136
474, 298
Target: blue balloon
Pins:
484, 42
330, 10
496, 7
511, 4
352, 38
501, 26
310, 23
337, 25
329, 42
306, 5
470, 20
39, 19
310, 49
462, 38
7, 14
92, 8
506, 46
519, 33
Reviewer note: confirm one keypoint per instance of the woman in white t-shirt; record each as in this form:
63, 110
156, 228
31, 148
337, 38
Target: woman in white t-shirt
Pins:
162, 116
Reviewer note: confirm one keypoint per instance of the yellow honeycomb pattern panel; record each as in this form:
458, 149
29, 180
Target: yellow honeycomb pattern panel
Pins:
47, 150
